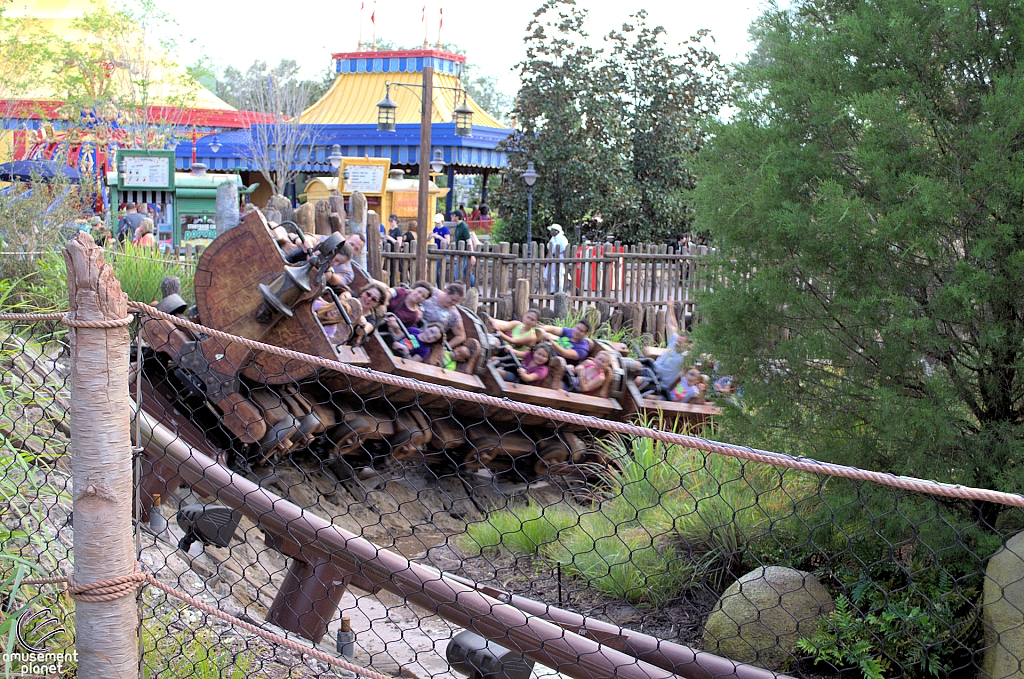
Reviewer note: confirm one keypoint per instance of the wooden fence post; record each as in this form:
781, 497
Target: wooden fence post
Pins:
521, 298
101, 462
374, 250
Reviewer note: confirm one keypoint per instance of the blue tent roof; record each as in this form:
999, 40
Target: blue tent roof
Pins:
478, 152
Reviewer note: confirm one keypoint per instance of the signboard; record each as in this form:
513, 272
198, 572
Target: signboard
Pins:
153, 170
366, 175
405, 204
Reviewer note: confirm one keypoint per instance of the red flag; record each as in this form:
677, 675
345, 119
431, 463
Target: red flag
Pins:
440, 15
423, 17
372, 15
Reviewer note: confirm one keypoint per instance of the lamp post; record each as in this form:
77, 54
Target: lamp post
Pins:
214, 145
530, 177
386, 119
335, 157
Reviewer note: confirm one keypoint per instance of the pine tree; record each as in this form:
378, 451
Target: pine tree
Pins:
868, 195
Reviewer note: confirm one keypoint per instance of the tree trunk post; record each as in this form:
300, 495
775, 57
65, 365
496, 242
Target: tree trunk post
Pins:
472, 300
106, 635
374, 249
561, 305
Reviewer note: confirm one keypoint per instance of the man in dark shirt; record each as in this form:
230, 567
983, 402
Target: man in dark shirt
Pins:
131, 221
462, 235
569, 343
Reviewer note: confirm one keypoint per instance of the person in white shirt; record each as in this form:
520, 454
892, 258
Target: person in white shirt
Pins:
558, 244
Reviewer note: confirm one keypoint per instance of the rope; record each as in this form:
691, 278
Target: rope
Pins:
739, 452
70, 322
114, 588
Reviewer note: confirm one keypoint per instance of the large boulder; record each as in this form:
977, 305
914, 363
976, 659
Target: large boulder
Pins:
760, 617
1003, 611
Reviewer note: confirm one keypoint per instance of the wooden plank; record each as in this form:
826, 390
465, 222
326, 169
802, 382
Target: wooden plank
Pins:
373, 244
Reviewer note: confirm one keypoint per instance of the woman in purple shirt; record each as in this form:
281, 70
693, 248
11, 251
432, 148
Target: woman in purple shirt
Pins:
405, 304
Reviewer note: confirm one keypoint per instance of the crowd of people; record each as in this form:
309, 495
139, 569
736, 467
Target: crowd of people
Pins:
421, 323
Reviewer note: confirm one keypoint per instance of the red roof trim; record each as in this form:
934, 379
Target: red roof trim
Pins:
42, 108
400, 54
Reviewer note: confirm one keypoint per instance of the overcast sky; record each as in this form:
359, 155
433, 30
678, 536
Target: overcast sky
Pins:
491, 32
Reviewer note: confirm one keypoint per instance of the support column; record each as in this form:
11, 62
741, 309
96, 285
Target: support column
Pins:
483, 190
424, 211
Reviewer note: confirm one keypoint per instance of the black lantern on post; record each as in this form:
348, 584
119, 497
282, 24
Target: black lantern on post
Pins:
463, 119
386, 113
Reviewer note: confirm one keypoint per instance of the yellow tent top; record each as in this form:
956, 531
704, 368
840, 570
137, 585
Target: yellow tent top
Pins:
169, 83
361, 83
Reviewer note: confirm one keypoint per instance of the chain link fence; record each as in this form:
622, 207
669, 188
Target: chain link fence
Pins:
330, 511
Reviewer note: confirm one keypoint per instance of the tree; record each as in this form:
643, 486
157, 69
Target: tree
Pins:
867, 197
484, 91
665, 98
117, 81
613, 133
569, 125
275, 148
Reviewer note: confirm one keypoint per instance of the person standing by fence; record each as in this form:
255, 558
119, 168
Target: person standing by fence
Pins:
463, 235
557, 246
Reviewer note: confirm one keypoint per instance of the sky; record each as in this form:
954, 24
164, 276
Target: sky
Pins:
491, 33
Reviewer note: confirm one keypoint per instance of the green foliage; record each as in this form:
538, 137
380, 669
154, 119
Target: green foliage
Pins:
916, 618
139, 270
866, 195
178, 645
668, 518
613, 133
521, 528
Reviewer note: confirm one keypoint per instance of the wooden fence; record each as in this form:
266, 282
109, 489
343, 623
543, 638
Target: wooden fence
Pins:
631, 279
628, 284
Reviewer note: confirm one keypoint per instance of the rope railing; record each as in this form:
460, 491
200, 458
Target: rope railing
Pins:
751, 454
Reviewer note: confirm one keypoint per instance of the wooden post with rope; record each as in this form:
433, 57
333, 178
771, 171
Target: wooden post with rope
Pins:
106, 636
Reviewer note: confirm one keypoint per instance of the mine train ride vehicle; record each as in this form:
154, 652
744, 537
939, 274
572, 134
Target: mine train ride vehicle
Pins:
254, 407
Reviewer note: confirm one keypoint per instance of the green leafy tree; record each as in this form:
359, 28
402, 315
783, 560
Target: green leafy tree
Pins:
867, 197
614, 133
665, 98
568, 123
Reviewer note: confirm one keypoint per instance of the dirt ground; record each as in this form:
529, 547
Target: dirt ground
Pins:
419, 514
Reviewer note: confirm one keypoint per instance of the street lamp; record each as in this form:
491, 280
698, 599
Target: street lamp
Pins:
335, 156
215, 145
463, 119
437, 163
386, 113
530, 177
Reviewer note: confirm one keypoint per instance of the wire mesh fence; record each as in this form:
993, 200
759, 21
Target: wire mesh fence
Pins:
333, 500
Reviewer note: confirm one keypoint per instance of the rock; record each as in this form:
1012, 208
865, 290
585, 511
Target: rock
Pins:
1001, 607
760, 617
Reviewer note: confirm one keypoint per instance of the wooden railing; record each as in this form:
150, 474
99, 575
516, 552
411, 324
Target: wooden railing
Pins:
635, 280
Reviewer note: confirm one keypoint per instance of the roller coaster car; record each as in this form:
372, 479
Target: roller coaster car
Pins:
269, 405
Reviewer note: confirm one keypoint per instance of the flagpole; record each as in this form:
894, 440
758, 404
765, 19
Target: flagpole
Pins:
426, 28
362, 6
373, 20
440, 23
